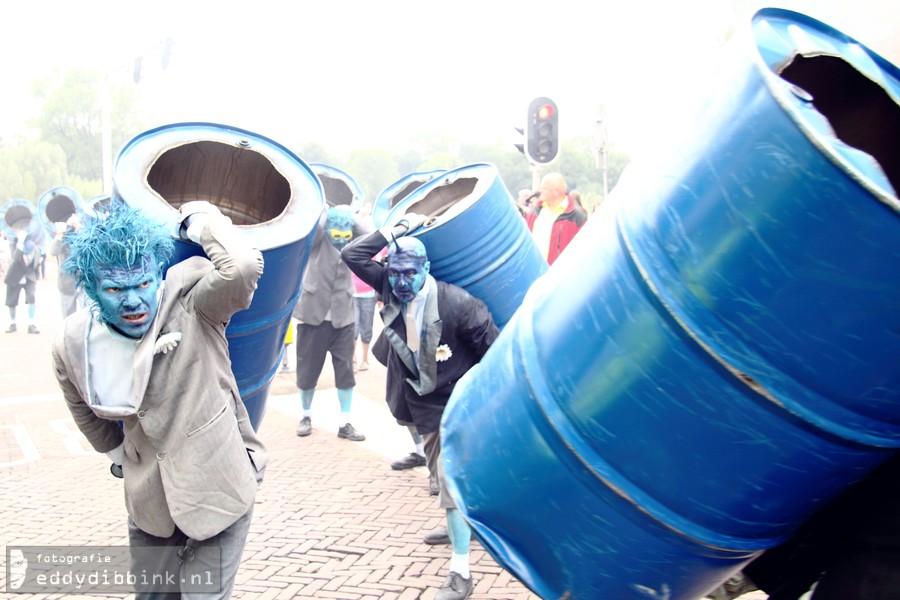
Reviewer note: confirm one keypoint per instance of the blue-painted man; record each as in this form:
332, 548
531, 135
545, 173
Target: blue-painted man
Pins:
150, 351
434, 332
327, 320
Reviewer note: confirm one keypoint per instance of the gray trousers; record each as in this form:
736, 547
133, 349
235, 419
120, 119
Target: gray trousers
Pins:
435, 468
179, 567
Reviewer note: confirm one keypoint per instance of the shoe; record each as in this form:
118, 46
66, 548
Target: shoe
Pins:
348, 433
736, 586
434, 488
456, 587
437, 537
305, 427
411, 460
364, 366
33, 329
12, 328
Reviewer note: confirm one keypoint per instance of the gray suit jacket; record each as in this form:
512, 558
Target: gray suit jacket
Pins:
192, 459
327, 283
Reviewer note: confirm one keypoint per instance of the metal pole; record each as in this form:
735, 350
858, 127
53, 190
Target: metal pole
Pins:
106, 134
600, 145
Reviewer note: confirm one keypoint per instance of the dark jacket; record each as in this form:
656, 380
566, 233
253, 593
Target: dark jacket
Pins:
455, 324
564, 228
22, 264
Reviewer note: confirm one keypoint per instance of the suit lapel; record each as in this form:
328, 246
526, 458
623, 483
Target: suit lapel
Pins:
431, 337
389, 313
143, 357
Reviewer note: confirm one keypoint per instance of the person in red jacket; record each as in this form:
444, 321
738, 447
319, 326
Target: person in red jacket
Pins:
555, 219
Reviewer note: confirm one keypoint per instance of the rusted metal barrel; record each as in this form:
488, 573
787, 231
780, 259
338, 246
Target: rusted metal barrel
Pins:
475, 236
339, 187
715, 355
267, 191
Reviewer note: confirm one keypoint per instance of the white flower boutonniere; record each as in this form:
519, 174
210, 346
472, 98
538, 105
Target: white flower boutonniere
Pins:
443, 352
167, 342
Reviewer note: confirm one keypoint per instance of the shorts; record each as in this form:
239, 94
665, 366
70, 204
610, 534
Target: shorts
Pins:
13, 291
313, 343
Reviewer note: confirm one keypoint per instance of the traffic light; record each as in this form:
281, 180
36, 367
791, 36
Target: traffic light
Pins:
542, 131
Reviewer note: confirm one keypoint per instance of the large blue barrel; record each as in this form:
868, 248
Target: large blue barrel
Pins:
475, 236
57, 204
339, 187
267, 191
19, 215
397, 191
715, 355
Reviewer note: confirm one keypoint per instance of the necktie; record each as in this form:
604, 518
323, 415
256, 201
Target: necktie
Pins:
412, 332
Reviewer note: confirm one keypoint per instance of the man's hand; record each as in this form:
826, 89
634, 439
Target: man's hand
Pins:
411, 221
194, 215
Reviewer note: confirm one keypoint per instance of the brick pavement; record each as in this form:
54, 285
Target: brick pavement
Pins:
331, 520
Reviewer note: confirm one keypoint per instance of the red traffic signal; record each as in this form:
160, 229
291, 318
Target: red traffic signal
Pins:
542, 131
545, 111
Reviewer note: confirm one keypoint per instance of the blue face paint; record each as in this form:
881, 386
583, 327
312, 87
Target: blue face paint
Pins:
128, 297
339, 222
406, 275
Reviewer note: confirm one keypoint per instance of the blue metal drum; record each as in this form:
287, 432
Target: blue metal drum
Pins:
56, 205
267, 191
397, 191
715, 355
19, 215
475, 236
339, 187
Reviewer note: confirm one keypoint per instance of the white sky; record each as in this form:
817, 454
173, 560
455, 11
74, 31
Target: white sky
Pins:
367, 74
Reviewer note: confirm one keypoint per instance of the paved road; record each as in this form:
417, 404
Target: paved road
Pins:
332, 520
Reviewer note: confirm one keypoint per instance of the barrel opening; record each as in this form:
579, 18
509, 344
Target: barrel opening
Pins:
241, 182
443, 198
859, 110
406, 191
337, 192
18, 217
59, 208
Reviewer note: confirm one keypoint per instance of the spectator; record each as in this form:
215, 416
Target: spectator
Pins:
555, 219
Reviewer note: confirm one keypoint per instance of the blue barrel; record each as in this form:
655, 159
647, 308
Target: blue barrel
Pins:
339, 187
397, 191
96, 206
19, 215
267, 191
57, 204
715, 355
475, 237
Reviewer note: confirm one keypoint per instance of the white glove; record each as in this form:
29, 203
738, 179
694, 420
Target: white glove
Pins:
413, 221
194, 215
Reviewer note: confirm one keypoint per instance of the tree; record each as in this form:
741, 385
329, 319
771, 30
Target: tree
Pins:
374, 170
30, 169
71, 117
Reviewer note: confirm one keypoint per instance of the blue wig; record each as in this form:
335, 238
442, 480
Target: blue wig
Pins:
340, 217
125, 238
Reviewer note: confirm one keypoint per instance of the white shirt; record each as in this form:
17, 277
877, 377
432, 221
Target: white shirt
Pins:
417, 304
